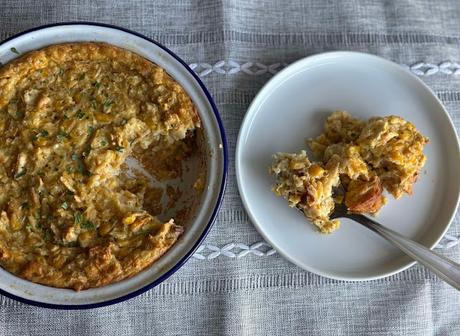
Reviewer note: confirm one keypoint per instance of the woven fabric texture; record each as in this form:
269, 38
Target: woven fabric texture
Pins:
253, 293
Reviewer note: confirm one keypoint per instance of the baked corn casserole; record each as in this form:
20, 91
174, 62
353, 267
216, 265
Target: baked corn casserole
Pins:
307, 186
359, 159
70, 116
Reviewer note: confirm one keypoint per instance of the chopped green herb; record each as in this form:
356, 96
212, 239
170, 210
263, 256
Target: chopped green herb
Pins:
103, 143
61, 72
69, 169
40, 134
64, 205
78, 217
90, 130
93, 104
20, 173
119, 149
108, 102
62, 135
79, 114
87, 224
82, 76
80, 165
13, 49
47, 234
96, 84
82, 221
80, 168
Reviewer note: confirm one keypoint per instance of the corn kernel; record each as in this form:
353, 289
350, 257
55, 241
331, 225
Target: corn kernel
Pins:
129, 219
315, 170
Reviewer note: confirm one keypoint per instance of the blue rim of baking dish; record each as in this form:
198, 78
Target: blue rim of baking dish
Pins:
219, 198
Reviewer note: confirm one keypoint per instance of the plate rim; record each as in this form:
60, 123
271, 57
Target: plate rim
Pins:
238, 150
219, 199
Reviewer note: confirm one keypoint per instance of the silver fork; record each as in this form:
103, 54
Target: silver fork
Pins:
446, 269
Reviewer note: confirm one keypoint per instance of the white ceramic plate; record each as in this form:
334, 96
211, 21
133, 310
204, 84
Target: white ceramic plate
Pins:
214, 142
291, 107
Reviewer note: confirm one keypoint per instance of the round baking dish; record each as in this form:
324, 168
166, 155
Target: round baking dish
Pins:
213, 143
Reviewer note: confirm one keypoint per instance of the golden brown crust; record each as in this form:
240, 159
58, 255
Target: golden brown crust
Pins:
70, 115
103, 267
19, 68
389, 147
393, 147
364, 196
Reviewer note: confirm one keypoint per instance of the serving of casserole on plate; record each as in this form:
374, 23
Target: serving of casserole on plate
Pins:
113, 164
358, 160
349, 158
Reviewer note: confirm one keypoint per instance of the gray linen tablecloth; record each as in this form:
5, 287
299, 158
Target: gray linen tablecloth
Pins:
236, 284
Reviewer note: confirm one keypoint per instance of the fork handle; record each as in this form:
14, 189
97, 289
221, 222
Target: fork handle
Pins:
446, 269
